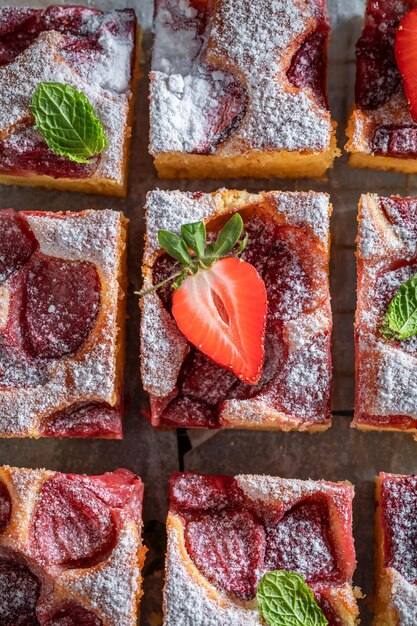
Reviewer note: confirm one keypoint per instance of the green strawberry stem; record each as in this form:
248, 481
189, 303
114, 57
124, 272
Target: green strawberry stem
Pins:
194, 238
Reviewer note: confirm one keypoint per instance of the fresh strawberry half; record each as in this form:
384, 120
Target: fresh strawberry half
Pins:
220, 301
406, 57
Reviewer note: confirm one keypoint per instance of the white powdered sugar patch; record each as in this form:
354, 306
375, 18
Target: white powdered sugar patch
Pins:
188, 603
306, 373
104, 79
94, 236
386, 238
187, 81
111, 588
404, 599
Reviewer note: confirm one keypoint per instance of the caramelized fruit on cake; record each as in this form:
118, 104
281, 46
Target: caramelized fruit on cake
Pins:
396, 562
382, 132
61, 323
288, 246
90, 50
238, 100
386, 397
224, 533
70, 548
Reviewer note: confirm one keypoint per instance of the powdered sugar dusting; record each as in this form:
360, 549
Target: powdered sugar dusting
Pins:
293, 391
255, 42
404, 599
90, 375
105, 79
188, 602
387, 245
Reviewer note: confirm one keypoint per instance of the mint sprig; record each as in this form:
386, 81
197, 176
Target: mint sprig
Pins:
67, 121
192, 251
285, 600
400, 321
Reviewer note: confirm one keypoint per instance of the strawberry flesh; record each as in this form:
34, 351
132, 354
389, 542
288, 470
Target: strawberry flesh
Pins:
229, 549
309, 64
19, 593
222, 311
5, 507
406, 57
196, 492
72, 525
17, 243
62, 302
84, 420
72, 614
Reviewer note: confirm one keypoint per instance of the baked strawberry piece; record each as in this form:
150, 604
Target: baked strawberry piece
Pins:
62, 314
386, 365
396, 550
67, 79
382, 130
239, 89
70, 548
225, 533
243, 338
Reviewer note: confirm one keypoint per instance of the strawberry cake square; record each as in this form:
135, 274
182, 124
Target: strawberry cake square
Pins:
227, 536
70, 548
382, 130
238, 89
396, 550
62, 316
67, 83
385, 334
242, 338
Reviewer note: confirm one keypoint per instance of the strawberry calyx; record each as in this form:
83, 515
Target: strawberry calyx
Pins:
193, 253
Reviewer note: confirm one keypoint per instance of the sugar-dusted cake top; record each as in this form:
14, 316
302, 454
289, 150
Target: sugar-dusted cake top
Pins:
91, 50
59, 285
288, 244
236, 529
238, 82
69, 547
387, 245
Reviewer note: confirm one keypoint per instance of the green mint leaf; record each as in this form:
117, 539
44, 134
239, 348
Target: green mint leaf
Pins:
285, 600
67, 122
174, 246
194, 236
401, 319
228, 236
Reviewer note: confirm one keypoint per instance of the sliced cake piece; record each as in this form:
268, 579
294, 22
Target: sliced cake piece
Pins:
386, 364
245, 341
396, 550
225, 533
91, 51
70, 548
62, 318
382, 130
239, 89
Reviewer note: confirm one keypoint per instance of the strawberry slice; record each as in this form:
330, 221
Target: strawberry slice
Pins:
72, 614
228, 549
406, 57
222, 311
17, 243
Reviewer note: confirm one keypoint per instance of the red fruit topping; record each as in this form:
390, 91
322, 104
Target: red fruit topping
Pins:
402, 212
300, 542
229, 550
19, 593
84, 420
72, 524
406, 57
72, 614
24, 150
18, 28
399, 505
17, 243
194, 492
62, 302
5, 506
222, 311
309, 63
395, 141
377, 75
